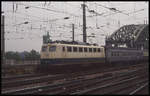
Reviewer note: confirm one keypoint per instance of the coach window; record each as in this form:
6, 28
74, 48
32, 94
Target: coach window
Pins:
74, 49
94, 49
69, 49
112, 54
52, 48
115, 53
44, 48
99, 50
90, 49
63, 48
80, 49
85, 49
124, 54
118, 53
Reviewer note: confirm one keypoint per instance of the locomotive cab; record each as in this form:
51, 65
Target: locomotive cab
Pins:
48, 51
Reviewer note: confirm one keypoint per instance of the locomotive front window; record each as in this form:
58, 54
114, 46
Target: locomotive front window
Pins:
52, 48
44, 48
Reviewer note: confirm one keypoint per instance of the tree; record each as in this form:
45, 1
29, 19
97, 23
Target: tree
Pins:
9, 55
12, 55
32, 55
16, 56
22, 55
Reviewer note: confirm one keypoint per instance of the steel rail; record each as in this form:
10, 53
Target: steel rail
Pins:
32, 89
107, 85
138, 89
40, 79
92, 81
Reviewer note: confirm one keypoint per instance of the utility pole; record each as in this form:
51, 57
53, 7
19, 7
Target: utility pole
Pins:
84, 22
72, 32
2, 40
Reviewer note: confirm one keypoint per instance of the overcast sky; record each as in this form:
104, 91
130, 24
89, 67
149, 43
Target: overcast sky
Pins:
43, 17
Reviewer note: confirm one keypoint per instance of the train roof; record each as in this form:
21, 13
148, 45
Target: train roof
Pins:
71, 43
77, 45
122, 48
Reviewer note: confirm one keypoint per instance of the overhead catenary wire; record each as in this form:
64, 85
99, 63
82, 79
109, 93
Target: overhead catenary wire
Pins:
75, 17
112, 9
135, 11
50, 20
49, 9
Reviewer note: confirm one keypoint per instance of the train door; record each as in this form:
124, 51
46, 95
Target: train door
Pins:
63, 52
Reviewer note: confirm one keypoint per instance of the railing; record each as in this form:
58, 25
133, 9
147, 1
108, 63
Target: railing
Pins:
22, 62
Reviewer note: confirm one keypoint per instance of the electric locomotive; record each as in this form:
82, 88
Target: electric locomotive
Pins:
57, 56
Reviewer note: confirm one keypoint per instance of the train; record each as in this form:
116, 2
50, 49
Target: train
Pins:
68, 57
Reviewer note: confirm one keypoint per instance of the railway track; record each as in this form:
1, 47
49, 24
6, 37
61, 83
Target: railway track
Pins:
142, 89
110, 87
44, 79
10, 78
13, 78
20, 77
54, 87
128, 86
82, 85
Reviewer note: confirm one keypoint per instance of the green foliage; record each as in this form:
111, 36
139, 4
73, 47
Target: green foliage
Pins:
32, 55
12, 55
